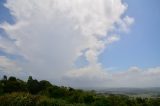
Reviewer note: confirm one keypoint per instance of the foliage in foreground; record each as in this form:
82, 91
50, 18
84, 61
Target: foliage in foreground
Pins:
15, 92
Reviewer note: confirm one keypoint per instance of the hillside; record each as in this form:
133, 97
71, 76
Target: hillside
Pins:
16, 92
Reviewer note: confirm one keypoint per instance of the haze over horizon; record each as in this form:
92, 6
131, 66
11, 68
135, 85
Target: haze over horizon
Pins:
82, 43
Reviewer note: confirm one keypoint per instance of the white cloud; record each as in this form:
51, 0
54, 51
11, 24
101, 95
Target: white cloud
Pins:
112, 39
98, 77
8, 46
125, 23
136, 77
91, 76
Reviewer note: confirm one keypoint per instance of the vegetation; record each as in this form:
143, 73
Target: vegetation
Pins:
15, 92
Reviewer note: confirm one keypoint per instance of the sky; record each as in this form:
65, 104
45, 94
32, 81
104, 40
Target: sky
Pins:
140, 47
82, 43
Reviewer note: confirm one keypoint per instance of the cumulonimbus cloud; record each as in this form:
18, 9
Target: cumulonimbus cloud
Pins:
51, 35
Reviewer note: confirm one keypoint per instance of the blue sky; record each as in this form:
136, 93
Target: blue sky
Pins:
63, 43
5, 14
141, 46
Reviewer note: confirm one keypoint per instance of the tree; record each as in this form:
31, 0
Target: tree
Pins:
12, 78
14, 85
44, 84
5, 77
30, 78
33, 85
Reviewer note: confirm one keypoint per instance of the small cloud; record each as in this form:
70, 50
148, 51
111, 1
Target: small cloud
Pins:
125, 23
112, 39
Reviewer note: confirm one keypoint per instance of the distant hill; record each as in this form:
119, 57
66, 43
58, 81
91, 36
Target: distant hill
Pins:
139, 92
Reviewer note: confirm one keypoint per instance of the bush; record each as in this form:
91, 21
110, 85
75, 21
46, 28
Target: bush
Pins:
102, 101
17, 99
26, 99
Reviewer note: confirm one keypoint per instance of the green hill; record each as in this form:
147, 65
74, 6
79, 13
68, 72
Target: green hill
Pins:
16, 92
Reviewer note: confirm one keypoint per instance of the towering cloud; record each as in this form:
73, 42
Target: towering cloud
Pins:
48, 37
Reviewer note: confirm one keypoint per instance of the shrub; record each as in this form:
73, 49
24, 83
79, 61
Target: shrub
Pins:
17, 99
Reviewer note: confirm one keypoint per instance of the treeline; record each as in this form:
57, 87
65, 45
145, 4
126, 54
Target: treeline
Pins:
16, 92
